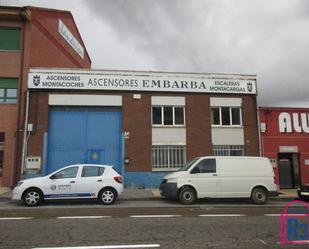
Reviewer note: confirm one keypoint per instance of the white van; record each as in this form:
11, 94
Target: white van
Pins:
221, 177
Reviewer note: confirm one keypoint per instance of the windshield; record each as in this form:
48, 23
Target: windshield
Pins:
188, 164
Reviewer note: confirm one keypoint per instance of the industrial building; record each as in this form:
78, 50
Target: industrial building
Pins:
146, 124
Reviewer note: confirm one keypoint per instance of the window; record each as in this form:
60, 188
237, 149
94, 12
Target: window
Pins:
156, 115
215, 117
228, 150
92, 171
9, 38
168, 157
66, 173
1, 152
205, 166
226, 116
8, 90
168, 115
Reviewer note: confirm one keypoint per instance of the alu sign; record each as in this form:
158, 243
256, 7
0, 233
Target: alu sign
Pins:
140, 81
293, 122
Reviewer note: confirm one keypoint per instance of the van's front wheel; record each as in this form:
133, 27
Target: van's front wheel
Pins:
187, 196
259, 196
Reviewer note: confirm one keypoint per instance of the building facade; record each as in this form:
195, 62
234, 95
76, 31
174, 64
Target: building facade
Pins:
146, 124
29, 37
285, 140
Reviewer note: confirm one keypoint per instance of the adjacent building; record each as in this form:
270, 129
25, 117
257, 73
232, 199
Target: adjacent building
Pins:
285, 140
29, 37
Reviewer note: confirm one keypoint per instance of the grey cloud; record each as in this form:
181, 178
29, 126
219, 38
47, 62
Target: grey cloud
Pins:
269, 38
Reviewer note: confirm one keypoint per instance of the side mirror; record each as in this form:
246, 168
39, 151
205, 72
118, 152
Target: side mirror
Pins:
52, 177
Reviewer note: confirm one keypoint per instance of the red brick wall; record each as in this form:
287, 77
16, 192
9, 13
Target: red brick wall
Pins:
8, 120
10, 62
38, 116
198, 126
48, 47
137, 120
249, 113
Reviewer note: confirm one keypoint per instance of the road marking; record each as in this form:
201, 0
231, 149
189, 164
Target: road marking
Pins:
221, 215
262, 241
16, 218
287, 215
82, 217
104, 247
155, 216
272, 215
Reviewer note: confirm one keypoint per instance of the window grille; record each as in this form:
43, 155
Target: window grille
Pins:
228, 150
168, 157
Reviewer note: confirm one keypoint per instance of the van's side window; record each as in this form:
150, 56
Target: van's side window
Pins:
205, 166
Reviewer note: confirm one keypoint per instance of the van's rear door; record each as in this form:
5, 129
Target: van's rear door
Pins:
205, 179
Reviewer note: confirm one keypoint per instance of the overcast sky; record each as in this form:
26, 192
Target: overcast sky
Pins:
269, 38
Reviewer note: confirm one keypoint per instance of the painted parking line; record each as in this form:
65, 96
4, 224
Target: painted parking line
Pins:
155, 216
272, 215
105, 247
16, 218
82, 217
222, 215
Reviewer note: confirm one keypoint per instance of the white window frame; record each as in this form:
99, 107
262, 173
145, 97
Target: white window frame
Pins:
231, 118
162, 116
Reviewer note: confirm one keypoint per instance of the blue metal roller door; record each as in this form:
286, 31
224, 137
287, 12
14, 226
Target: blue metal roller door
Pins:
84, 135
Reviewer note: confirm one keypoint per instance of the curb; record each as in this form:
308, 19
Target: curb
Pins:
290, 198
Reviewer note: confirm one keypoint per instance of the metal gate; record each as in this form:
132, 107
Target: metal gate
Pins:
84, 135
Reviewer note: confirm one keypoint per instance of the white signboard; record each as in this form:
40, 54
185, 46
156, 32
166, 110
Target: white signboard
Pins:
288, 149
139, 81
68, 36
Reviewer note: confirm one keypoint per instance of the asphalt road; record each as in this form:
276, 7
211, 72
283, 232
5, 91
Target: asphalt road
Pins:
142, 232
146, 224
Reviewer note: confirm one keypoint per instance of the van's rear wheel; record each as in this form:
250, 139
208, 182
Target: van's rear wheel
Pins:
259, 196
187, 196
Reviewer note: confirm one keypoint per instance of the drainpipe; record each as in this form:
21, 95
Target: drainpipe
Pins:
16, 170
259, 131
24, 148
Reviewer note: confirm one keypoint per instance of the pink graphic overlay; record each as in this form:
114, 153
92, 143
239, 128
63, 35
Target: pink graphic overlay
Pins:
294, 226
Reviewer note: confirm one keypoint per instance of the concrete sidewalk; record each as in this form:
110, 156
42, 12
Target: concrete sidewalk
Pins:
5, 193
140, 194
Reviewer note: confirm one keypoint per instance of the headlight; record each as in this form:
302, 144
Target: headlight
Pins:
19, 183
171, 180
